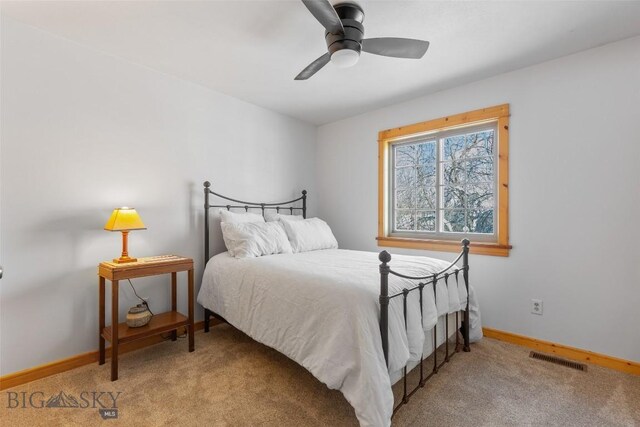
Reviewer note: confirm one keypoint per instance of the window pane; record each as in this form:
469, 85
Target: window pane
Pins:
480, 143
405, 199
426, 220
454, 147
405, 155
426, 198
454, 221
454, 197
480, 169
405, 177
480, 196
405, 220
415, 154
427, 153
426, 175
480, 221
453, 173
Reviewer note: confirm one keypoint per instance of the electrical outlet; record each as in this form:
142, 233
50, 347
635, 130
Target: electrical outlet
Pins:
536, 306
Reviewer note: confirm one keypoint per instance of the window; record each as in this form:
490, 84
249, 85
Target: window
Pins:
445, 180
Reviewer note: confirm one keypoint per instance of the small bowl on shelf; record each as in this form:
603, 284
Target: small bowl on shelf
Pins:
138, 316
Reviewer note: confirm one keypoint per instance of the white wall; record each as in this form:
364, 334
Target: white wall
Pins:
84, 132
575, 195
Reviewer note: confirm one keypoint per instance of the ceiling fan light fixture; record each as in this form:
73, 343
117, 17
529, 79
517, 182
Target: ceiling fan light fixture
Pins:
345, 58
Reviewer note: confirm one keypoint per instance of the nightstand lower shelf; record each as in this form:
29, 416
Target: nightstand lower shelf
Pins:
163, 322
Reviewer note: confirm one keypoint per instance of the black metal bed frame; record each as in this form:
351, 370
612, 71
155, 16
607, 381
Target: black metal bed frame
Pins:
429, 281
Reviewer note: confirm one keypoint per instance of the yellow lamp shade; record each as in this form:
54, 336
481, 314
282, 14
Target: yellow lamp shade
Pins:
124, 219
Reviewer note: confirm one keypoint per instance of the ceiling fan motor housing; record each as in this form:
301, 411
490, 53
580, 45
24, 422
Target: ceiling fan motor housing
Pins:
351, 16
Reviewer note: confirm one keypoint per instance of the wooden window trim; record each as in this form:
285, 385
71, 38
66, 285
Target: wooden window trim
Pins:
499, 113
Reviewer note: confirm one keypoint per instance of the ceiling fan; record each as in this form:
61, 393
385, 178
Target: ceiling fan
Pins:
345, 38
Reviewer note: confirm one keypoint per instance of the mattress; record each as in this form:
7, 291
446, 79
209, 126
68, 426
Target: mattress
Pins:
321, 309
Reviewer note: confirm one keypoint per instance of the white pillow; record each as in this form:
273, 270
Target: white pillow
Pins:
273, 216
309, 234
238, 217
254, 239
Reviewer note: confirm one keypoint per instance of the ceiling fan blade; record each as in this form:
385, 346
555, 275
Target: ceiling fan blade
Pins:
325, 14
314, 67
396, 47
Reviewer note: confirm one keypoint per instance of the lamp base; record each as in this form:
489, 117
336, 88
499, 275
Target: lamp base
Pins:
123, 260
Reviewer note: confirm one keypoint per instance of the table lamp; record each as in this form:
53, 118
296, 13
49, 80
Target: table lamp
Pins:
124, 220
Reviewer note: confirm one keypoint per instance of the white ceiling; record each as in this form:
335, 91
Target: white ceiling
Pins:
252, 50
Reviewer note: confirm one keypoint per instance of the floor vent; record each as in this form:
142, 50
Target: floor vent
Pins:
558, 361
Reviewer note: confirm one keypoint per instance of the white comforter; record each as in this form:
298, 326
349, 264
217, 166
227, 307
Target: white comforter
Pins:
321, 309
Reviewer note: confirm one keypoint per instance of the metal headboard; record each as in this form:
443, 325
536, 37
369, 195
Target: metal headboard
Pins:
285, 206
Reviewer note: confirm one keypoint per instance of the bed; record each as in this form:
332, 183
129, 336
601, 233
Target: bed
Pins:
353, 322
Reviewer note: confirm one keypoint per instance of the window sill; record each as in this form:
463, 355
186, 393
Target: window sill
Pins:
478, 248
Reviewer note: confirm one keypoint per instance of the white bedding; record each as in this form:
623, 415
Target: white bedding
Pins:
321, 309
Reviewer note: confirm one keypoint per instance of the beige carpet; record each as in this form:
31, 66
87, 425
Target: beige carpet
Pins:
231, 380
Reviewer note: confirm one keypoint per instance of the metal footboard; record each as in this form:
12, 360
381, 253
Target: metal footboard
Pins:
430, 282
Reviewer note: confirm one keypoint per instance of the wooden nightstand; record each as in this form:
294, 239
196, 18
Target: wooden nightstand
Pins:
161, 322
